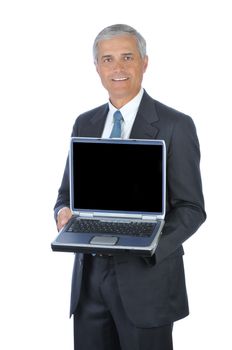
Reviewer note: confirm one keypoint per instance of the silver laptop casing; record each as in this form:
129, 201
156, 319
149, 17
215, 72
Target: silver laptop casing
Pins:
106, 244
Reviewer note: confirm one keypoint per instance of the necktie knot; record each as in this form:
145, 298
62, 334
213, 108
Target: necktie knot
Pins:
117, 116
117, 128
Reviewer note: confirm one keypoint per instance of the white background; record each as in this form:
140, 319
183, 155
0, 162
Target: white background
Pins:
47, 78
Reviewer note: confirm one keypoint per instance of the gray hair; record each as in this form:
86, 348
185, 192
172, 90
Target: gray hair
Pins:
118, 30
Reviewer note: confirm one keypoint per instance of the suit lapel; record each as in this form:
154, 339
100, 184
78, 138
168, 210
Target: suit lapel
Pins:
144, 126
95, 126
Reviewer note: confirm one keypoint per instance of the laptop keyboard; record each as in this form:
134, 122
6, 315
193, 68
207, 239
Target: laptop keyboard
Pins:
133, 228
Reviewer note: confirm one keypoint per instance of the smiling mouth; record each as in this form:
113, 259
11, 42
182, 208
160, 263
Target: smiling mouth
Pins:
120, 79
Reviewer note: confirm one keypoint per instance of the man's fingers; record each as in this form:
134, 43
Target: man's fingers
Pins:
63, 217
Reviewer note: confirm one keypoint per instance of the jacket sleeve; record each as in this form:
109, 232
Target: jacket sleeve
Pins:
63, 199
185, 202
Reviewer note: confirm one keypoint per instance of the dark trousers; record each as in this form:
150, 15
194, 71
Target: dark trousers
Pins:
101, 322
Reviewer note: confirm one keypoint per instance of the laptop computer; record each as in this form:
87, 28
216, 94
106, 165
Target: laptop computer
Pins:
117, 190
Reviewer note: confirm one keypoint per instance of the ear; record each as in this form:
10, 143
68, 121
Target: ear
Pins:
145, 63
96, 67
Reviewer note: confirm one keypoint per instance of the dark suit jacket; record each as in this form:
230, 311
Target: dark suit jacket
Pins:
153, 289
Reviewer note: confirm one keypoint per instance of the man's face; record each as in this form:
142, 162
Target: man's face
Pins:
120, 68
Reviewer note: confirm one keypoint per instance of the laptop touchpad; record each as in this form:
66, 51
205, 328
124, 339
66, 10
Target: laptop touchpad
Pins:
104, 240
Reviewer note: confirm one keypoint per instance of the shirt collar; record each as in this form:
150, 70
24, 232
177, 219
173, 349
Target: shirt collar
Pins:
131, 107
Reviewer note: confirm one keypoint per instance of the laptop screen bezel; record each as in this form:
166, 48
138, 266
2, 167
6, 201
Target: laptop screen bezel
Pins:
82, 211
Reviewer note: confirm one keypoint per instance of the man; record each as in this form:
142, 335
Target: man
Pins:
125, 302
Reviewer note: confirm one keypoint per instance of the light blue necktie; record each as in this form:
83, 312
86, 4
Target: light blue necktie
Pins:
117, 129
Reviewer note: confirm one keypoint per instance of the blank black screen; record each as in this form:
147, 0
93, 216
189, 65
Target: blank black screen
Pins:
117, 177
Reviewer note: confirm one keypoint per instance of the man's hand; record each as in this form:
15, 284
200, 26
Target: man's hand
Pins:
63, 217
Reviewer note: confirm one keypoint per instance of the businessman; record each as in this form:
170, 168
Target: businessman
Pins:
125, 302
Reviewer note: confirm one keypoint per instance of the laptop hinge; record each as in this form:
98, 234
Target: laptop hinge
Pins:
149, 217
117, 215
85, 214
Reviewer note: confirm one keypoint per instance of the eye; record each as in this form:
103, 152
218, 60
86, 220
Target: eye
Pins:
128, 58
107, 59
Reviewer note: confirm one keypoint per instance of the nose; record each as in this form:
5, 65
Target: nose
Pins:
118, 65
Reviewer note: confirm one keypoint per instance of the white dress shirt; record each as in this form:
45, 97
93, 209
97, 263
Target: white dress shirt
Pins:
128, 111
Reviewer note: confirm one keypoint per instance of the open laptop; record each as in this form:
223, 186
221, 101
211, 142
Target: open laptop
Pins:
117, 196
